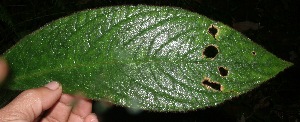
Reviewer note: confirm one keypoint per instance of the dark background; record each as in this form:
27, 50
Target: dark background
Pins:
276, 29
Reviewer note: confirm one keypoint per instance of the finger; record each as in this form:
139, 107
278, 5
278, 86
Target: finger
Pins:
60, 112
91, 118
81, 110
3, 69
31, 103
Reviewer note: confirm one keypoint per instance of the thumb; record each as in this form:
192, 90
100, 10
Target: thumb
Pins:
31, 103
3, 69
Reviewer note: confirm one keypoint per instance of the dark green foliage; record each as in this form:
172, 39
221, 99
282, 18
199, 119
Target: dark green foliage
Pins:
279, 35
153, 58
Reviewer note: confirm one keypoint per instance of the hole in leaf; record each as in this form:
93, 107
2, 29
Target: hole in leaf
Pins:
213, 31
253, 53
223, 71
210, 51
212, 85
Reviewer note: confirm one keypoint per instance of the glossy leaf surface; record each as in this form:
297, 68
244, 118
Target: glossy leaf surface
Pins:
153, 58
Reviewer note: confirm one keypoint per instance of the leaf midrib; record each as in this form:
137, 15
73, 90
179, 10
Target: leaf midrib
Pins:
111, 62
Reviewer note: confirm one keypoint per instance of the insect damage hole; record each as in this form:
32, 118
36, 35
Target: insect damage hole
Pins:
213, 30
212, 85
223, 71
253, 53
210, 52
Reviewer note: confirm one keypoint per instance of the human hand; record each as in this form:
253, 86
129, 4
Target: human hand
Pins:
46, 104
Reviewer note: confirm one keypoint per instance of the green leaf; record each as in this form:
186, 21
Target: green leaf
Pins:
153, 58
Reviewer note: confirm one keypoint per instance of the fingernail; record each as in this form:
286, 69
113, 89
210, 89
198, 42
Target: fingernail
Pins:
94, 118
52, 85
